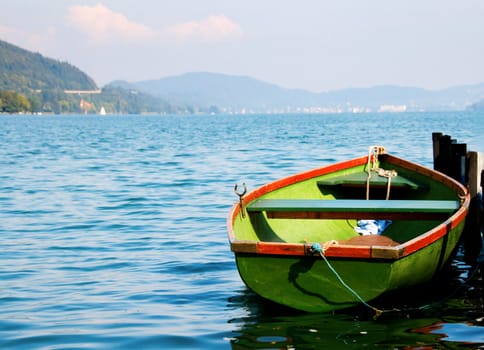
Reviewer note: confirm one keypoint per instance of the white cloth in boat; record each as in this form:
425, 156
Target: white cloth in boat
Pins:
372, 227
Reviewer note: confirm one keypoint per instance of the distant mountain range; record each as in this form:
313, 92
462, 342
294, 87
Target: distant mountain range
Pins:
46, 85
240, 93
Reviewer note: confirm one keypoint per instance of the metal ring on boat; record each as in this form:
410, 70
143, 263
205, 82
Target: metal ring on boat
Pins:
240, 197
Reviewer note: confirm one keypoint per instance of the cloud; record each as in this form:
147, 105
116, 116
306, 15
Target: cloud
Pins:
211, 29
100, 24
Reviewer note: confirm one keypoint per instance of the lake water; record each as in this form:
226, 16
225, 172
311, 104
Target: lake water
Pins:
112, 232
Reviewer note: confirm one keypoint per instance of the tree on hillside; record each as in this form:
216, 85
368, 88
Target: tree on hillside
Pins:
12, 102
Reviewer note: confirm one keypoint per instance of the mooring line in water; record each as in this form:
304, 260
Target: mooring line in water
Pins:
316, 247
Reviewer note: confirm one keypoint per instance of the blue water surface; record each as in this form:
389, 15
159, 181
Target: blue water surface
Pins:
113, 231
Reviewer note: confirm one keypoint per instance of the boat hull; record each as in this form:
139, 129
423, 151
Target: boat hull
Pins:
276, 257
309, 284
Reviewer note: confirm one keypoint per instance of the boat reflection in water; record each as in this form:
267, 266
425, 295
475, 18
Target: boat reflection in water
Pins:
420, 323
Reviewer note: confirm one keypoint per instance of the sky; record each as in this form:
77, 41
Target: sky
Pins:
316, 45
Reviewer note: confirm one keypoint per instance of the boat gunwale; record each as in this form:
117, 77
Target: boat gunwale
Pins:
341, 249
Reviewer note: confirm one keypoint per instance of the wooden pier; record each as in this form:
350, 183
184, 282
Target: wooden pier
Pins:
467, 167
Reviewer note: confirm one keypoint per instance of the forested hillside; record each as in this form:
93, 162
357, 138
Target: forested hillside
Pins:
30, 82
23, 71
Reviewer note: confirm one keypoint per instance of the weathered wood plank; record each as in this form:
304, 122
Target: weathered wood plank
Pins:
355, 209
476, 165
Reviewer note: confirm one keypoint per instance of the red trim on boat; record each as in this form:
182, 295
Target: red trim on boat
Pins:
350, 251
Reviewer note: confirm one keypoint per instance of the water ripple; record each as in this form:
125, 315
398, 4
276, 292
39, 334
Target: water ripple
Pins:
112, 229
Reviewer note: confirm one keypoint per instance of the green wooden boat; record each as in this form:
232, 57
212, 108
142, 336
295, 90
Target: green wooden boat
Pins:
296, 243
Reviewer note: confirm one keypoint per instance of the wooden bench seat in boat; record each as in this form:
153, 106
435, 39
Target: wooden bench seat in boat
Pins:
360, 180
354, 209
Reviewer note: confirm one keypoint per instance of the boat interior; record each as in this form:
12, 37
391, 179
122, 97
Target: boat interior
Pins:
330, 207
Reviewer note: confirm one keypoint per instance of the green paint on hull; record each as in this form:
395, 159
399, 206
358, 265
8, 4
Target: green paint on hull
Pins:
303, 280
308, 284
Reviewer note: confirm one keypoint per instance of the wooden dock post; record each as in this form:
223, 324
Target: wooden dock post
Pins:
436, 136
458, 164
467, 167
442, 153
475, 170
472, 234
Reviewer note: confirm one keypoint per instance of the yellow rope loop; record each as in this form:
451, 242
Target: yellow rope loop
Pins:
328, 244
389, 184
373, 153
373, 165
386, 173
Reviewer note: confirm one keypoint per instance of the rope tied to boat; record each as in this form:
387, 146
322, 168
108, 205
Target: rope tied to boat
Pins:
321, 250
318, 248
373, 165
